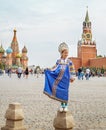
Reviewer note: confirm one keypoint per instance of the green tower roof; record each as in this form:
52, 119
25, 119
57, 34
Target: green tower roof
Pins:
2, 49
87, 16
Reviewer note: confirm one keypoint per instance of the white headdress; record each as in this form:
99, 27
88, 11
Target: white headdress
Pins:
63, 46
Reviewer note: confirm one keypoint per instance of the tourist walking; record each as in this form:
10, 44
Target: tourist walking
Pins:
26, 72
9, 71
19, 72
58, 78
79, 73
87, 75
82, 74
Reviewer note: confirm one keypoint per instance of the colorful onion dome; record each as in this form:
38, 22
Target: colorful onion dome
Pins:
18, 55
1, 49
24, 58
9, 50
24, 50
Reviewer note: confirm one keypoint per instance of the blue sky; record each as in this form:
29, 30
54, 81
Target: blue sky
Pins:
43, 24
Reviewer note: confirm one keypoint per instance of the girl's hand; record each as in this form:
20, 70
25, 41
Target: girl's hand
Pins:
72, 80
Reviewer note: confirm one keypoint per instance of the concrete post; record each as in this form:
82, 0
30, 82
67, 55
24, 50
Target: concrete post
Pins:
63, 121
14, 118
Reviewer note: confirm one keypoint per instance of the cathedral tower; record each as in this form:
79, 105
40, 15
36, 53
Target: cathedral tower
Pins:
9, 57
15, 48
13, 58
24, 58
86, 46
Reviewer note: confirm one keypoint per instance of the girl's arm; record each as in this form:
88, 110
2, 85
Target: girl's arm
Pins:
72, 72
55, 66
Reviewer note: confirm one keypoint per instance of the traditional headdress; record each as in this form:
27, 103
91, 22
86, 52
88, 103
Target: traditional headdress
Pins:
63, 46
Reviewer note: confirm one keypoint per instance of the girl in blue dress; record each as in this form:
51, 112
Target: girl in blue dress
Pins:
57, 79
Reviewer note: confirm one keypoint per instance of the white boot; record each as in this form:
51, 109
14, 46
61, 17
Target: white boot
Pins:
66, 109
61, 109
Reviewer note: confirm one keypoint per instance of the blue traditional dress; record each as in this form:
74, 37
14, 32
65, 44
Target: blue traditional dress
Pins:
57, 81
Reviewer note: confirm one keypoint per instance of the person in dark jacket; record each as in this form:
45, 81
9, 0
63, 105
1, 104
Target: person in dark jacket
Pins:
26, 72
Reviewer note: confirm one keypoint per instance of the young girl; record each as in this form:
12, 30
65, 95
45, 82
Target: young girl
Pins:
58, 78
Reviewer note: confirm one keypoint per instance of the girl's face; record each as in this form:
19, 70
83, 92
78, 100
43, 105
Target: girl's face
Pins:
64, 54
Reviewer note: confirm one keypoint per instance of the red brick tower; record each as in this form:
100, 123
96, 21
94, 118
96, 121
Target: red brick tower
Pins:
86, 46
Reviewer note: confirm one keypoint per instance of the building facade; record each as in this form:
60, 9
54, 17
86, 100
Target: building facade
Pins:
12, 56
86, 49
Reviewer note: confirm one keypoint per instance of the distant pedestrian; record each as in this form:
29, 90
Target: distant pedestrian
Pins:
79, 73
87, 75
26, 72
82, 74
31, 71
19, 72
9, 71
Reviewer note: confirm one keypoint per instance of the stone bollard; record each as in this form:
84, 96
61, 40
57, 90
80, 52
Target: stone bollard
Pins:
63, 121
14, 118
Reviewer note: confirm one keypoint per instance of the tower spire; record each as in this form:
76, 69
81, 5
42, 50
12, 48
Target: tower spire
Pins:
14, 37
14, 43
87, 16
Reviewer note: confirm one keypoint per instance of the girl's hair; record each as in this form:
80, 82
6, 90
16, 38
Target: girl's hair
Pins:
63, 51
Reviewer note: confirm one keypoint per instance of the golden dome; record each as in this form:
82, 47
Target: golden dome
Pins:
18, 55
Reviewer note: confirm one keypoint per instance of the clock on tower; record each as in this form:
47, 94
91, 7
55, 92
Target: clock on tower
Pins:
88, 36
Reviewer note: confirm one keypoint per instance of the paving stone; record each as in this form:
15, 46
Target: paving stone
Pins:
87, 102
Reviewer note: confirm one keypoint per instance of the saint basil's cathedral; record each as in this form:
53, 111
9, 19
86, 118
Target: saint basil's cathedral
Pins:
13, 57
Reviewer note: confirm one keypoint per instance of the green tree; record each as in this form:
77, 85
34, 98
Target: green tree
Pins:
2, 66
99, 56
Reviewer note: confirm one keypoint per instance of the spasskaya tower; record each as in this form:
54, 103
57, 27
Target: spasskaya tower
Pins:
86, 46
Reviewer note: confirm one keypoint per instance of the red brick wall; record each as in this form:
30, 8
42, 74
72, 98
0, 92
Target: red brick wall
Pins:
85, 52
87, 57
76, 61
98, 62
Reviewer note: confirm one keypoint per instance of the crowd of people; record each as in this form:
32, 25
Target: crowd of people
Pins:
80, 73
21, 72
87, 73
